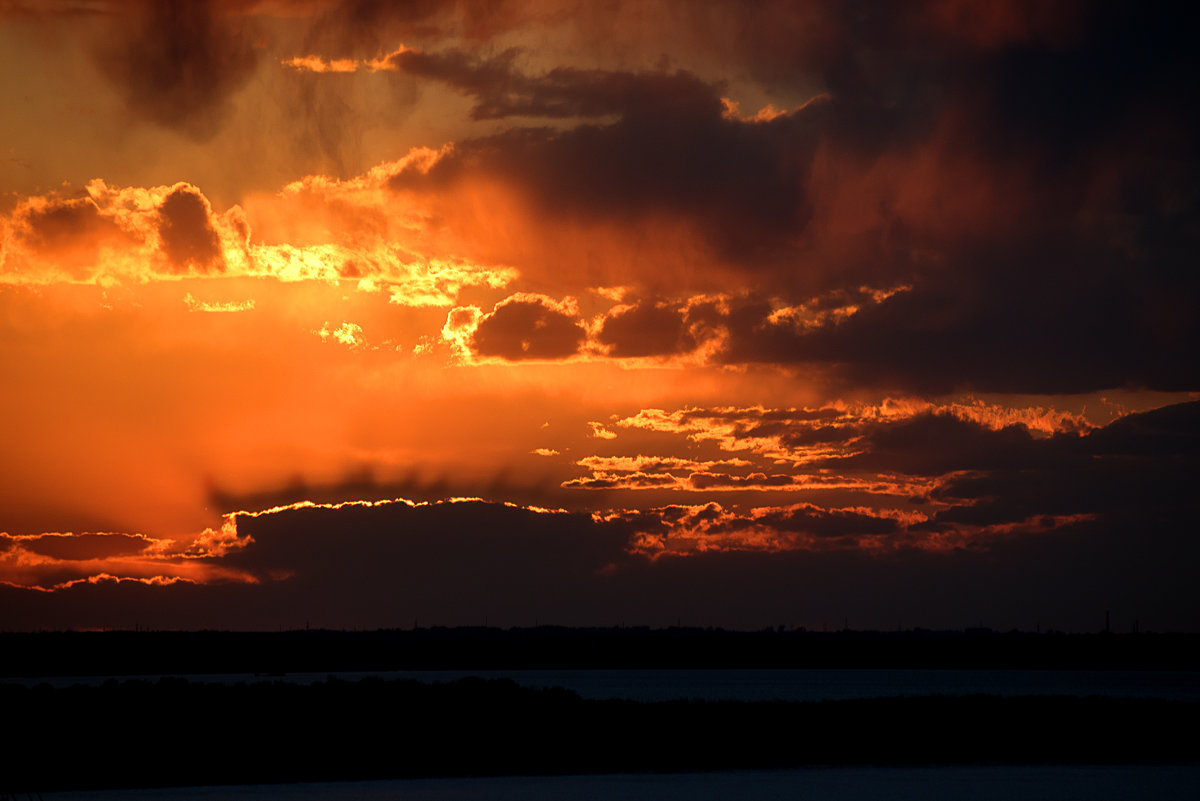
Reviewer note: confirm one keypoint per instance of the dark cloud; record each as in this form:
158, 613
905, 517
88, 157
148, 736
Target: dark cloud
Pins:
460, 561
70, 230
355, 570
646, 329
1140, 471
1029, 171
501, 90
671, 152
636, 480
703, 481
390, 536
1078, 281
761, 415
528, 327
818, 522
62, 223
1140, 468
1130, 549
178, 64
188, 236
86, 546
347, 28
365, 28
1080, 325
934, 444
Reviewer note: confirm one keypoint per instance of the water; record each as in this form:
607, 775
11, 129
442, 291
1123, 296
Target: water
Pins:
980, 783
842, 684
784, 684
1028, 783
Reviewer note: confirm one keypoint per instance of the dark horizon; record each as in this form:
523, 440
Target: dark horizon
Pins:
155, 653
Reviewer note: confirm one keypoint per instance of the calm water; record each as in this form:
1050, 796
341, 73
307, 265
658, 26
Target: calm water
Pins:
818, 685
1039, 783
789, 685
1028, 783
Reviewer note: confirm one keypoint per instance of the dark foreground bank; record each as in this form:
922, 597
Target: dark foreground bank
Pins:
173, 732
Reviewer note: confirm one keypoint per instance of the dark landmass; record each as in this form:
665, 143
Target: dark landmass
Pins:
156, 653
141, 733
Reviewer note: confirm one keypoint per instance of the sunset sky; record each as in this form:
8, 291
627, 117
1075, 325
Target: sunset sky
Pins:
815, 314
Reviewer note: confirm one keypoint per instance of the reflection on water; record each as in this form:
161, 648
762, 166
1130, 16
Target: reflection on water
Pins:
1028, 783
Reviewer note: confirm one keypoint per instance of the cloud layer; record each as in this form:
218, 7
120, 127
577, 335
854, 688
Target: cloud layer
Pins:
1015, 511
765, 309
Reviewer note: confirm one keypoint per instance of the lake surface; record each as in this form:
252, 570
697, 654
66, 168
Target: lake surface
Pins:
782, 684
1028, 783
841, 684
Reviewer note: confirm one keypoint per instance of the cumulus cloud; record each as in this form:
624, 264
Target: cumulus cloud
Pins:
138, 234
527, 326
186, 230
67, 233
112, 233
650, 329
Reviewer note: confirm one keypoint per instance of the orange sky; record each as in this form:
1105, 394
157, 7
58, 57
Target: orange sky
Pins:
751, 313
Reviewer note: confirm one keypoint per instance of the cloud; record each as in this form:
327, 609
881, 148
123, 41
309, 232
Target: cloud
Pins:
527, 326
348, 334
1081, 523
185, 228
918, 227
318, 64
428, 554
933, 200
670, 154
684, 531
67, 233
178, 64
653, 328
501, 90
1072, 337
600, 431
196, 305
1029, 240
349, 28
839, 432
1145, 456
114, 235
59, 560
76, 547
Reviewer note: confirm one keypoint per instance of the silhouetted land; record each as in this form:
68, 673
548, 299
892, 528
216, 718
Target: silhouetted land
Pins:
126, 653
176, 732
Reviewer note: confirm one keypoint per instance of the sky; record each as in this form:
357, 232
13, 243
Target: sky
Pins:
515, 312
